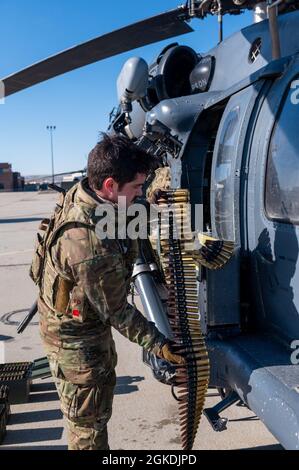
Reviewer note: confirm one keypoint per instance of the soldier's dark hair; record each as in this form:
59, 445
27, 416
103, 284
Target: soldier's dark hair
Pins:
118, 157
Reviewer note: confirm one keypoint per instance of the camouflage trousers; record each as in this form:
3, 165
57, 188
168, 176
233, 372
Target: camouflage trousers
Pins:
87, 409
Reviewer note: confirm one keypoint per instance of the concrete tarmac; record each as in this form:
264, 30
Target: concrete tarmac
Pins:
145, 415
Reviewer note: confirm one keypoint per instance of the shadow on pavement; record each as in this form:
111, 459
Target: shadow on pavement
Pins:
6, 338
248, 418
43, 387
15, 221
125, 385
35, 416
268, 447
34, 447
32, 435
42, 397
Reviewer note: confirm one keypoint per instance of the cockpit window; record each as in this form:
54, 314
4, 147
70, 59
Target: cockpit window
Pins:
282, 174
223, 187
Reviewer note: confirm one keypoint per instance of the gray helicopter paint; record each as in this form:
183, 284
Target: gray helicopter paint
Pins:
269, 72
225, 84
138, 118
259, 370
228, 151
222, 289
257, 367
232, 54
273, 245
151, 302
180, 114
220, 294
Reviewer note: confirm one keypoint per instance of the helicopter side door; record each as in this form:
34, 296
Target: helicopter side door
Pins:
273, 210
223, 286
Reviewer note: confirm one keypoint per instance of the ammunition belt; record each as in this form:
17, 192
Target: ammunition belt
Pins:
192, 378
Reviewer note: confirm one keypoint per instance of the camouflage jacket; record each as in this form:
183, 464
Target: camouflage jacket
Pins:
84, 283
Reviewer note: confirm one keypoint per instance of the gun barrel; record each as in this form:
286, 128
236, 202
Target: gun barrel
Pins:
149, 296
28, 318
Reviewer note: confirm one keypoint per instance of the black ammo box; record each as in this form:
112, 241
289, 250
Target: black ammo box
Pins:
4, 396
17, 376
2, 422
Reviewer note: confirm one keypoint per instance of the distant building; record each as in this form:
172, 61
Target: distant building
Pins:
18, 181
10, 180
6, 177
32, 186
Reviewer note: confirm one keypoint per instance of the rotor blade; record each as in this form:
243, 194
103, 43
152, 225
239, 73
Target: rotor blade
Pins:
154, 29
42, 177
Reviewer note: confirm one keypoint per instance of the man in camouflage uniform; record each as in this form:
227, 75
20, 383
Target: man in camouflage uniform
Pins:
84, 283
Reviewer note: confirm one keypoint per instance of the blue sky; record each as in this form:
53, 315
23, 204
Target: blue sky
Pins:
79, 102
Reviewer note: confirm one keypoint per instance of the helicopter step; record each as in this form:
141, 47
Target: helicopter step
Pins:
266, 379
212, 414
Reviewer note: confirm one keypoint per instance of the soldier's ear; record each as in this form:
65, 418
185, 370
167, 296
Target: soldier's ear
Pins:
109, 185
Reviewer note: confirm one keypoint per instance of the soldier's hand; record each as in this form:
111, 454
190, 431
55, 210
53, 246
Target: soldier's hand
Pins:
161, 182
166, 352
153, 196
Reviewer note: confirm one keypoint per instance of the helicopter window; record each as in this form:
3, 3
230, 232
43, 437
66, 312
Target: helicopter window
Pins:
282, 175
255, 50
223, 186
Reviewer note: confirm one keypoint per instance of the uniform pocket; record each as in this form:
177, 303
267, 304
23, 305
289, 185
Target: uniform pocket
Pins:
85, 404
80, 401
103, 404
68, 393
36, 267
63, 295
50, 285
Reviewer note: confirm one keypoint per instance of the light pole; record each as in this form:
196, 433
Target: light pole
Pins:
51, 129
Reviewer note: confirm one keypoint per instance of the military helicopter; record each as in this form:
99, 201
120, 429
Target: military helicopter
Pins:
228, 118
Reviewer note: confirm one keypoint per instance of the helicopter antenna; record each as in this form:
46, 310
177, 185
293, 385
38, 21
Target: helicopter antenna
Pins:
220, 20
273, 26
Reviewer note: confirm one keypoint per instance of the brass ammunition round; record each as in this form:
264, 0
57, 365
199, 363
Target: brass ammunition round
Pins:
175, 191
188, 279
183, 267
189, 305
191, 311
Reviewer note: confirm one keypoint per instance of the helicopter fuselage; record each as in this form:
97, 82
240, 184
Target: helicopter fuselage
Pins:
240, 160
